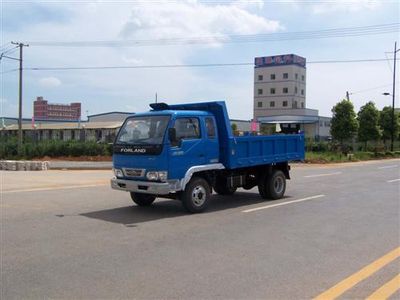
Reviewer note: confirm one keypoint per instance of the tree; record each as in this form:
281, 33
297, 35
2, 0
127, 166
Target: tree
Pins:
385, 122
344, 124
368, 119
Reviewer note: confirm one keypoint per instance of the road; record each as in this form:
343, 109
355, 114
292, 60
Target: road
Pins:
66, 234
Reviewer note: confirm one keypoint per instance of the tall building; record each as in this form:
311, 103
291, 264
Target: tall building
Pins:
280, 96
42, 110
279, 84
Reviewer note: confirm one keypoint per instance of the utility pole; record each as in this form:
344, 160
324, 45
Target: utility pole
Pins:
347, 96
21, 46
393, 95
156, 98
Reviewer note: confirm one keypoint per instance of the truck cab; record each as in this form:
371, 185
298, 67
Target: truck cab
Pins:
184, 152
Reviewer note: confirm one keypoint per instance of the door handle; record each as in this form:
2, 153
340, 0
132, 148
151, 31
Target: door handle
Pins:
201, 155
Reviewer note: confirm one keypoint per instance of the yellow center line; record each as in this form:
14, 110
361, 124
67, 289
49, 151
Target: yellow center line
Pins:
359, 276
386, 290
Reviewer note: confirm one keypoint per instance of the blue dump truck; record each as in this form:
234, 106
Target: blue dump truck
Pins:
186, 151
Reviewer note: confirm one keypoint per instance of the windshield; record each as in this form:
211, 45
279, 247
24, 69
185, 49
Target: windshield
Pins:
143, 130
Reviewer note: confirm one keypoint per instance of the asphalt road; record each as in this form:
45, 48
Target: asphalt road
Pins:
66, 234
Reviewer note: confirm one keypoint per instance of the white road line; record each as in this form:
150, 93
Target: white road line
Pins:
388, 167
320, 175
53, 188
283, 203
393, 180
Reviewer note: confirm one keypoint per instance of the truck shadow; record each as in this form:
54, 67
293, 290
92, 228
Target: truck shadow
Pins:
130, 216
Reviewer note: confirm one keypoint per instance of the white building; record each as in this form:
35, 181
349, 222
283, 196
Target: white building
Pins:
280, 96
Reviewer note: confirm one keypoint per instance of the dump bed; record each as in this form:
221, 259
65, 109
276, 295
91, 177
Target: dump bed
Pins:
246, 151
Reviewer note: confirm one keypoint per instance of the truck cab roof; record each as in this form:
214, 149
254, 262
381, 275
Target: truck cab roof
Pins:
176, 113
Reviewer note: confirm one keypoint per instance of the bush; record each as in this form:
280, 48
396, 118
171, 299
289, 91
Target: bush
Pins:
52, 148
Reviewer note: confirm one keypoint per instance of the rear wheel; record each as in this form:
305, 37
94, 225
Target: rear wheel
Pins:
196, 196
142, 199
273, 186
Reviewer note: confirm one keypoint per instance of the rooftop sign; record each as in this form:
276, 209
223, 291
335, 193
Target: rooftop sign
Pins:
279, 60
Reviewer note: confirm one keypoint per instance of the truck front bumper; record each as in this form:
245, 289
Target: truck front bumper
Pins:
145, 187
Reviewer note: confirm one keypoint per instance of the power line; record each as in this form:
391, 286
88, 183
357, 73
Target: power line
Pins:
188, 65
269, 37
371, 89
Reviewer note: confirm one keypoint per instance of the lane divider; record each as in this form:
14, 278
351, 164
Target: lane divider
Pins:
321, 175
393, 180
283, 203
51, 188
386, 290
359, 276
388, 167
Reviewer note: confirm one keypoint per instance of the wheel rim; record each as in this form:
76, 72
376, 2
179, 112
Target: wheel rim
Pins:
199, 195
278, 184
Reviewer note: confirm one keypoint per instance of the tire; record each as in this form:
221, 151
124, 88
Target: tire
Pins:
221, 188
273, 186
142, 199
262, 184
196, 196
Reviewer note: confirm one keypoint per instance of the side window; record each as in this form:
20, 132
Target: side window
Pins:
210, 128
187, 128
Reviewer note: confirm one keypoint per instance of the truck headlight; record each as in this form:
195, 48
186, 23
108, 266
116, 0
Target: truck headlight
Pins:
163, 175
157, 175
152, 175
118, 173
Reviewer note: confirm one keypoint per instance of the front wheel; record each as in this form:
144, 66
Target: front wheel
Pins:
142, 199
196, 195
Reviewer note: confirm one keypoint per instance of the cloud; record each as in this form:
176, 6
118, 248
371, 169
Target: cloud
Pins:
342, 6
191, 19
49, 82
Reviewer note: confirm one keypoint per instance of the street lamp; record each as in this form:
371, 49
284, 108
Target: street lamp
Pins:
392, 131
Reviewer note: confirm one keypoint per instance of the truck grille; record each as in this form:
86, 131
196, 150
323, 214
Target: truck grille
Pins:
133, 172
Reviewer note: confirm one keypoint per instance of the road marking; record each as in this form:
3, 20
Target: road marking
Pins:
388, 167
320, 175
393, 180
386, 290
283, 203
67, 187
359, 276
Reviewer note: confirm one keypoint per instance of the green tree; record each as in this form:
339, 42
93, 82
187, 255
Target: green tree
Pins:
385, 122
344, 123
368, 119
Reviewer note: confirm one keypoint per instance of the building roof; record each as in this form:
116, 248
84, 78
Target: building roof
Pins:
112, 112
68, 125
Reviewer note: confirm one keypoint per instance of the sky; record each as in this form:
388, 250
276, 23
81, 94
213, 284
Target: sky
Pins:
43, 24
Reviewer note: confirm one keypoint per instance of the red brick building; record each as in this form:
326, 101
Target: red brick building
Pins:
42, 110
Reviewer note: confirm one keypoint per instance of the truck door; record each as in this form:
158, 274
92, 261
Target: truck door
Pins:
189, 150
212, 144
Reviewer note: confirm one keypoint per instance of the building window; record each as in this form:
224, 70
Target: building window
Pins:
294, 105
295, 89
284, 103
302, 77
260, 91
296, 76
272, 91
260, 77
285, 75
321, 123
302, 104
259, 104
285, 90
272, 104
272, 76
302, 92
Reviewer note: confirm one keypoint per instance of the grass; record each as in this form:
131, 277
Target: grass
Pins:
334, 157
